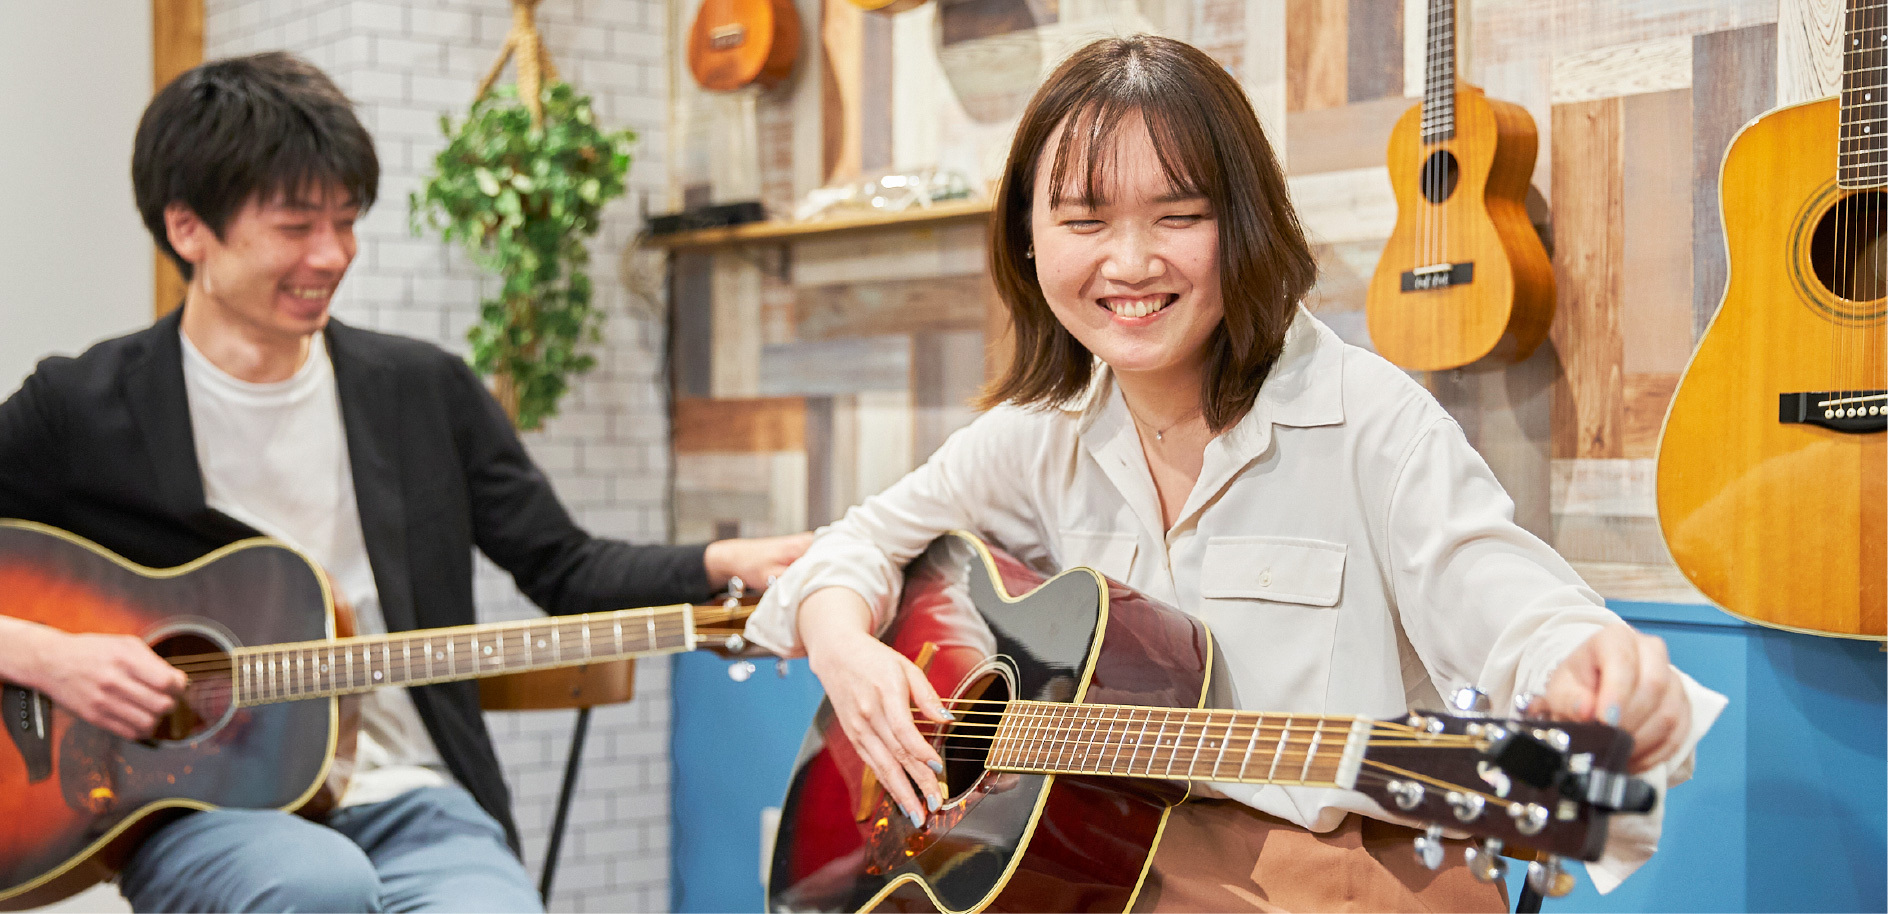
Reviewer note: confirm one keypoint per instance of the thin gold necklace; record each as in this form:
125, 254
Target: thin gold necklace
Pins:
1161, 433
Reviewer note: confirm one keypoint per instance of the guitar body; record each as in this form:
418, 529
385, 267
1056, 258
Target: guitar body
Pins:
1003, 840
1462, 201
1782, 523
75, 799
737, 42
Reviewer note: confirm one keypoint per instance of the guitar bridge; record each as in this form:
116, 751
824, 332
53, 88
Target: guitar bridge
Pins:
1438, 276
1855, 412
28, 718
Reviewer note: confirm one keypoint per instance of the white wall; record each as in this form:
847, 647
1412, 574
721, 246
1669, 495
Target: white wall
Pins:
76, 260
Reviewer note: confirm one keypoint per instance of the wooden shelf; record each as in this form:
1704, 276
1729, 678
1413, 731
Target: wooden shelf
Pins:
762, 232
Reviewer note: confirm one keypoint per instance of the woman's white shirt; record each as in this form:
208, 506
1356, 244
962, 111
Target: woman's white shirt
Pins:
1349, 549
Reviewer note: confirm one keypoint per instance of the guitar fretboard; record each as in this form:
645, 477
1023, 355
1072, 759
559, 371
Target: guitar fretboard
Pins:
1439, 74
1862, 153
1233, 746
316, 669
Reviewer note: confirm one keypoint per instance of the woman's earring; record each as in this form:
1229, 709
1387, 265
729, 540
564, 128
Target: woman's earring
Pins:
1031, 253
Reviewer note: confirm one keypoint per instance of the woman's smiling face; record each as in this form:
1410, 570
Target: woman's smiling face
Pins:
1133, 271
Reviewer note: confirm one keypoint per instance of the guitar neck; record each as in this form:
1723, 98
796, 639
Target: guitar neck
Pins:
1862, 153
1247, 747
1439, 74
345, 666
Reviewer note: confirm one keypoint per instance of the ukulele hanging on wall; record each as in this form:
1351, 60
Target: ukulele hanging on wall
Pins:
1464, 276
1773, 462
734, 43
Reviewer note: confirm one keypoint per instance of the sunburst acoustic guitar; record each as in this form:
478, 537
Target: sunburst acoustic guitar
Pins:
1773, 462
1463, 276
1080, 718
262, 724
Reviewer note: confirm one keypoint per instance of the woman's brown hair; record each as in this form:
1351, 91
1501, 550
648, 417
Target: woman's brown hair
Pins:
1209, 143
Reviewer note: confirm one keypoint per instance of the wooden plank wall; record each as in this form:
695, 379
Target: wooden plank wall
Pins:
1635, 102
176, 46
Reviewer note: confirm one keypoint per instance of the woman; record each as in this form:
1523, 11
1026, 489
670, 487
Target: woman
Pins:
1172, 418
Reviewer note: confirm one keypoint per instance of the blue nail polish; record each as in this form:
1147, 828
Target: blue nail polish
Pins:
1611, 716
930, 803
949, 716
937, 767
917, 820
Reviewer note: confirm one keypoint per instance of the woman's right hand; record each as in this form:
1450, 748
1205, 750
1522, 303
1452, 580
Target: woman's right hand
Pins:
873, 689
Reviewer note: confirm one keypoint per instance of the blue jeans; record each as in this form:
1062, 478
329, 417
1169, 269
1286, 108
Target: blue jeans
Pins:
431, 849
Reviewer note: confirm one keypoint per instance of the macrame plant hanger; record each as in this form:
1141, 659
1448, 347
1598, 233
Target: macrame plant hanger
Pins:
534, 71
534, 62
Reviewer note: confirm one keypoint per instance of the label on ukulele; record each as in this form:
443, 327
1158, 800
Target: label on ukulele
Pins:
725, 37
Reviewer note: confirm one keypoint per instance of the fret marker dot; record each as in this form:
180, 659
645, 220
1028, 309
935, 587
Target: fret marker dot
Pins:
540, 642
376, 675
324, 668
440, 655
488, 650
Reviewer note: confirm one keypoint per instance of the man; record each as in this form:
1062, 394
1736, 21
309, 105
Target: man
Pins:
250, 411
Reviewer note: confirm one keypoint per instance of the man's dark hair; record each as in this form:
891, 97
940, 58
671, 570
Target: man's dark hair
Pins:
264, 127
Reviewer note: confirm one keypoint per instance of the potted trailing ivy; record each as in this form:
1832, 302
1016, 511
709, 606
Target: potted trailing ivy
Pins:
521, 185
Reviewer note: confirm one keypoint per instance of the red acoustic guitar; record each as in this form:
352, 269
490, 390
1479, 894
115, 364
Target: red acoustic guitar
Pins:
1464, 275
260, 723
1079, 721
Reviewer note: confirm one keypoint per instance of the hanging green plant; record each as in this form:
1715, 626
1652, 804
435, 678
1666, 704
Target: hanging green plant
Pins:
522, 197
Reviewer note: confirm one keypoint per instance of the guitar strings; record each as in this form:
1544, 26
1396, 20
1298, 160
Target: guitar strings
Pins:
221, 660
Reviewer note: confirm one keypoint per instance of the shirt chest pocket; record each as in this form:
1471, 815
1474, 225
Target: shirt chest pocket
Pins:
1109, 552
1277, 568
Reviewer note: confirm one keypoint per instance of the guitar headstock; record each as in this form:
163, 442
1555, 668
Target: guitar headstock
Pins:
1545, 785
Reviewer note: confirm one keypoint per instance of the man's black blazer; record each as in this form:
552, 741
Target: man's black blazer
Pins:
101, 445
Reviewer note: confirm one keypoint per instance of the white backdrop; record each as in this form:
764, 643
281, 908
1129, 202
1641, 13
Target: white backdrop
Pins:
75, 259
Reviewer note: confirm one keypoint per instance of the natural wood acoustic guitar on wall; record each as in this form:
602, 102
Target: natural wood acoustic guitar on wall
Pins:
1773, 462
735, 43
1464, 276
1080, 719
263, 723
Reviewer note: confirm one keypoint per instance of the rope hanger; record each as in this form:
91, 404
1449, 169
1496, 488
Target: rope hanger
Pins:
534, 62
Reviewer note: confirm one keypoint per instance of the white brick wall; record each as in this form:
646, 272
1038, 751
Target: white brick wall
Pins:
404, 63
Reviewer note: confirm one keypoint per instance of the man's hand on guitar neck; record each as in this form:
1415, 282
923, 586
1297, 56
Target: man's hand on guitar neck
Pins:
757, 562
113, 682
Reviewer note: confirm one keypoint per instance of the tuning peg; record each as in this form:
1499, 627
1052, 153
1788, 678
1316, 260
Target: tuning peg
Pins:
1522, 701
740, 670
1485, 863
1469, 700
782, 667
1429, 848
734, 644
1549, 877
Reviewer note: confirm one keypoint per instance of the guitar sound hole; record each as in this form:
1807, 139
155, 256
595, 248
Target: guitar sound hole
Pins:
1847, 250
205, 704
1440, 174
966, 746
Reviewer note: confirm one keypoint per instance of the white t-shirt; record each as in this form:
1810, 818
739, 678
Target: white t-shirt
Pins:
274, 456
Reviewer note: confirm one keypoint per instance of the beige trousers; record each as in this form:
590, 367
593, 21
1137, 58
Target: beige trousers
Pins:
1219, 855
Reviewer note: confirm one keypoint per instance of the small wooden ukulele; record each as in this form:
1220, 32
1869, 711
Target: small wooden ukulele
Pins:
734, 43
1464, 275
